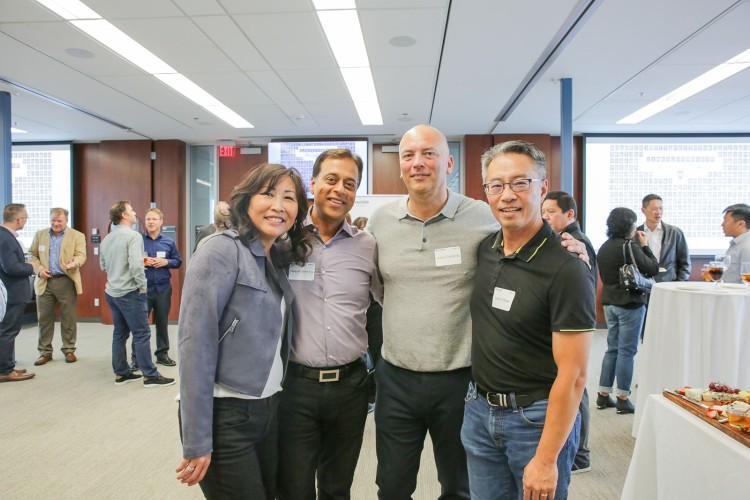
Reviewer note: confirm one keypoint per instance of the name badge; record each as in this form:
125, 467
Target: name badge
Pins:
502, 299
42, 248
302, 273
662, 270
161, 255
447, 256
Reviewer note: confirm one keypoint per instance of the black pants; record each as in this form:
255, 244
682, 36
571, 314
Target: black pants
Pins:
321, 425
408, 405
244, 462
9, 328
160, 304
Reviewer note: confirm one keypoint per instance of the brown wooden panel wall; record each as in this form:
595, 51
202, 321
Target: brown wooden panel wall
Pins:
170, 196
386, 173
117, 170
232, 170
474, 148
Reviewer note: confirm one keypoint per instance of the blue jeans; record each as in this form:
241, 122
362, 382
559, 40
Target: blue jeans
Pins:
500, 442
624, 329
130, 314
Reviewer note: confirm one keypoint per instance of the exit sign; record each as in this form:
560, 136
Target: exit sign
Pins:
227, 151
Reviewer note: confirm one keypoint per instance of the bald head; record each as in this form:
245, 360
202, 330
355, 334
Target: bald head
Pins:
436, 137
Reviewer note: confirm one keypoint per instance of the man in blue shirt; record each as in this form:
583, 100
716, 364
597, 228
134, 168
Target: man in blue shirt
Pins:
160, 256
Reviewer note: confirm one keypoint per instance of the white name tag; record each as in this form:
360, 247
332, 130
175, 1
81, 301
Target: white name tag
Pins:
42, 248
662, 270
502, 299
302, 273
161, 255
447, 256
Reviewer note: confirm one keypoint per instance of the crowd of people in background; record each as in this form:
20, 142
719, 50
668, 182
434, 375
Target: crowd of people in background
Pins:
488, 311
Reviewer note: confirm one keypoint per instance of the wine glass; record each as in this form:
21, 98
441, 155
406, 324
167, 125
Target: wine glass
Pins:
704, 273
722, 264
745, 274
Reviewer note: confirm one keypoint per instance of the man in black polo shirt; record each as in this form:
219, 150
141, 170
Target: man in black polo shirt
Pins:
533, 315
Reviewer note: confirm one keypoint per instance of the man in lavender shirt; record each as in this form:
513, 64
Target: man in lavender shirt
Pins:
324, 402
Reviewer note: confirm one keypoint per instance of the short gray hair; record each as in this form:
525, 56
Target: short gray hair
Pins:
518, 147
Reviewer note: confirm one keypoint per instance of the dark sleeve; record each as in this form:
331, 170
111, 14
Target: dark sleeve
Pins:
682, 257
645, 260
9, 259
573, 298
174, 260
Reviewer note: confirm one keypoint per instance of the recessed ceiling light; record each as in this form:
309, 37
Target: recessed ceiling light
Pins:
402, 41
82, 53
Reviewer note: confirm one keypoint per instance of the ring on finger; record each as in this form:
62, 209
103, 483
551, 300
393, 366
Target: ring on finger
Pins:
190, 469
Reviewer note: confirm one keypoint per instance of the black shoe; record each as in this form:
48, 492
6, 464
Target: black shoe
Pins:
124, 379
134, 367
603, 402
166, 361
158, 382
576, 469
624, 406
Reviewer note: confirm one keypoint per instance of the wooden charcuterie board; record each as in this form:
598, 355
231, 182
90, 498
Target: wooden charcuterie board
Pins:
700, 412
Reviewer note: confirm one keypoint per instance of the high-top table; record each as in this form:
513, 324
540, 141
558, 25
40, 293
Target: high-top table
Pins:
677, 455
695, 334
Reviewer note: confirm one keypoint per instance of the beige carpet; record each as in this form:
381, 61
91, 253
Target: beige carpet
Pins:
70, 433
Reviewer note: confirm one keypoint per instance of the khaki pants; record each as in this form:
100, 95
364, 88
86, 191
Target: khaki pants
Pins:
61, 290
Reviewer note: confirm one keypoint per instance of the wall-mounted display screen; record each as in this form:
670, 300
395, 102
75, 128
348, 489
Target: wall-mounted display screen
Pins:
41, 179
696, 176
301, 154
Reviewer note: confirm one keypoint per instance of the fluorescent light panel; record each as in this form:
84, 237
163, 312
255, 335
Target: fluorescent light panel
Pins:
14, 130
101, 30
70, 9
699, 84
345, 38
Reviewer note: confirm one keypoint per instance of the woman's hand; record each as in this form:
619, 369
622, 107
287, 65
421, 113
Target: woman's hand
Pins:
642, 239
192, 471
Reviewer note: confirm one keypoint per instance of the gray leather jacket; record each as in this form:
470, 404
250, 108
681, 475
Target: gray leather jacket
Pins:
230, 323
674, 257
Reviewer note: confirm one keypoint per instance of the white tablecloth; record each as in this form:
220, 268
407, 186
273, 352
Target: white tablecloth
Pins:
677, 455
694, 334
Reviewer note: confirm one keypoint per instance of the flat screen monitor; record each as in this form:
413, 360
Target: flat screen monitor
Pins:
301, 154
697, 177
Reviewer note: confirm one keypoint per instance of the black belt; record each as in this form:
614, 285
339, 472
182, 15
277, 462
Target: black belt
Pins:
57, 276
329, 374
503, 399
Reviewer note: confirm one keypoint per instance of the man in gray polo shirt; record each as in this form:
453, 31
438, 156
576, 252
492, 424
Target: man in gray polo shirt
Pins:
323, 406
427, 245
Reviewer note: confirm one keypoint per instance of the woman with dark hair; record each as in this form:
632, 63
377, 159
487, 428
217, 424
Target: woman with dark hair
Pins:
624, 310
235, 322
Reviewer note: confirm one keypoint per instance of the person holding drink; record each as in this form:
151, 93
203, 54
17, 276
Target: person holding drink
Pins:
736, 224
236, 318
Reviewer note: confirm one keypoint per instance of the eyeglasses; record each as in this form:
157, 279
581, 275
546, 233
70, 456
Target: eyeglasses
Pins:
516, 185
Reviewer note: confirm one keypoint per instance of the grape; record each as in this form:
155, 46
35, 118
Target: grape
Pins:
712, 386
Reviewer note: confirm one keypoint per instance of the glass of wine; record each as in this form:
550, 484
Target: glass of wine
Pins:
722, 262
716, 271
745, 274
704, 273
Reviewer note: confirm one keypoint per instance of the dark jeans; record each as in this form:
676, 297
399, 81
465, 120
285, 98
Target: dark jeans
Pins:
583, 455
245, 458
408, 405
160, 304
129, 315
9, 328
320, 428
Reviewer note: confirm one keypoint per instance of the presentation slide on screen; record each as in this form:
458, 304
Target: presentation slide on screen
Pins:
697, 178
41, 179
302, 154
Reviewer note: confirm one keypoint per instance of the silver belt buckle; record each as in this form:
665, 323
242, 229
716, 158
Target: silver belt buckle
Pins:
328, 376
501, 399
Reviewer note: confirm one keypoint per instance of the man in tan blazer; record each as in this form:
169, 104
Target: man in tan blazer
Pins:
57, 253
